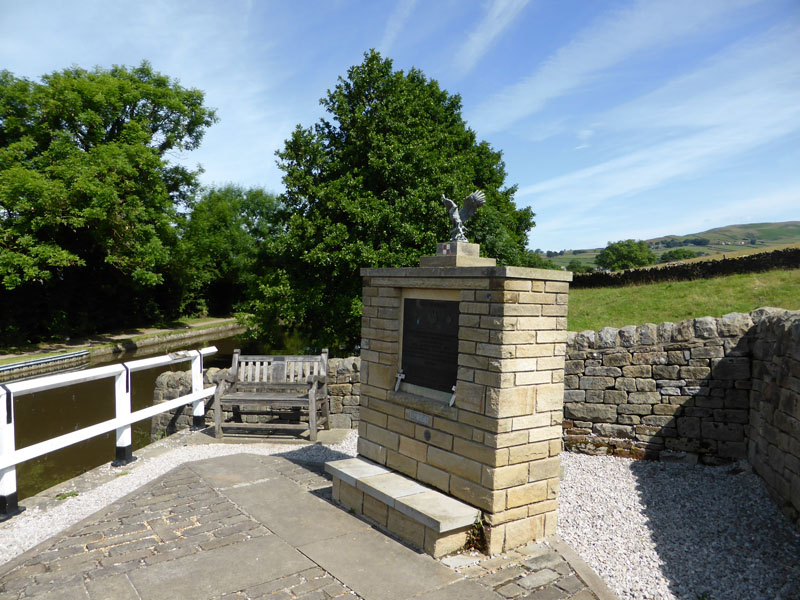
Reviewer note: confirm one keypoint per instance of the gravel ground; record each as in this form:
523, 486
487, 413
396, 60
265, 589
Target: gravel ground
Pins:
661, 531
653, 531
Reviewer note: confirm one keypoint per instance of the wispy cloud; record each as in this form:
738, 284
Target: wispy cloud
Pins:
611, 40
397, 21
746, 97
500, 15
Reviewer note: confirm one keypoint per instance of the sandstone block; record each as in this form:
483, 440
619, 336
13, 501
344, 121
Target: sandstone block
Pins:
549, 397
627, 336
551, 337
607, 337
541, 434
734, 324
405, 528
432, 476
527, 494
547, 468
689, 427
523, 531
494, 457
497, 478
383, 437
727, 432
351, 497
694, 372
596, 383
614, 397
644, 398
705, 327
528, 452
616, 359
455, 464
645, 385
591, 412
731, 368
665, 371
625, 384
477, 495
613, 430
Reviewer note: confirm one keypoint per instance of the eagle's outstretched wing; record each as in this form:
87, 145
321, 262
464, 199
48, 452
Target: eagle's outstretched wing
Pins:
471, 205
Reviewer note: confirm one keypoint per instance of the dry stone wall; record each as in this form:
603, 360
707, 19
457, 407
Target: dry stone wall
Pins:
713, 390
774, 433
669, 388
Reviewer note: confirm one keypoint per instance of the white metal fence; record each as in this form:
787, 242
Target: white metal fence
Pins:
10, 457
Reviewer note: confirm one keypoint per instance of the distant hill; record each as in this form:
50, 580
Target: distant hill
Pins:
720, 240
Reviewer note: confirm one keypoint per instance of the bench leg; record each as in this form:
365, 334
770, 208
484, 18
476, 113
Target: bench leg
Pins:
326, 411
217, 418
312, 417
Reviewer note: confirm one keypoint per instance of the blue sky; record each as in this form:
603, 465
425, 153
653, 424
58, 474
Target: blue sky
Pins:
616, 119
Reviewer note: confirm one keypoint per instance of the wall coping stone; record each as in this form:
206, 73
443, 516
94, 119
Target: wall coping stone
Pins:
488, 272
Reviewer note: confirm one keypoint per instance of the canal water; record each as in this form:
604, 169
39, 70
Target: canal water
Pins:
50, 413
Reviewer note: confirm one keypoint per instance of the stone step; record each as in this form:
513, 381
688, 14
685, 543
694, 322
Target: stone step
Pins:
442, 520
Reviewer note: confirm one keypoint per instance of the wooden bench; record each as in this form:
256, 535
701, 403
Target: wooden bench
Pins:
277, 390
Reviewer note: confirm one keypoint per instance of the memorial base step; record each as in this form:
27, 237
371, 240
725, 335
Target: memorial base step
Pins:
418, 515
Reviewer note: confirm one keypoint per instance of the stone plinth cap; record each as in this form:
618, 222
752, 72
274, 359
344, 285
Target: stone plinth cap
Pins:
472, 272
457, 254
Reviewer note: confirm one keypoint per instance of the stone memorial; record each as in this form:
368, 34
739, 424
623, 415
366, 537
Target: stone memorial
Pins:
489, 444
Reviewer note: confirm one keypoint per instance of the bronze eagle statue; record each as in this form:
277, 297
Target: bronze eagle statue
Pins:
458, 217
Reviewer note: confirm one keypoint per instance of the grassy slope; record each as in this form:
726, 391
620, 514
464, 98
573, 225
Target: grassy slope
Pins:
769, 236
675, 301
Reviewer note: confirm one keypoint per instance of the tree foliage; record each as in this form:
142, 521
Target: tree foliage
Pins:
677, 254
83, 173
625, 254
88, 194
363, 187
226, 231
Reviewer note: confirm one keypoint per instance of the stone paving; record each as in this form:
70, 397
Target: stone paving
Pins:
248, 526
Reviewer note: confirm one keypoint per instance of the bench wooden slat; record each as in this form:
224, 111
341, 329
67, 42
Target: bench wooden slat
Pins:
266, 382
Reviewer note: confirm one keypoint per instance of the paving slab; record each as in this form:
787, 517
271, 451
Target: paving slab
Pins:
247, 525
461, 590
377, 567
227, 471
293, 513
118, 587
220, 571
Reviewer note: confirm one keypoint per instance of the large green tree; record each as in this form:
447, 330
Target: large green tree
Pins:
625, 254
363, 187
88, 193
226, 231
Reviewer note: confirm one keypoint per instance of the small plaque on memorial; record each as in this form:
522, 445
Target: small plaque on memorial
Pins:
430, 343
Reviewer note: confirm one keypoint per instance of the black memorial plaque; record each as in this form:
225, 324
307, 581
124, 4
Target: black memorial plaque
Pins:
430, 343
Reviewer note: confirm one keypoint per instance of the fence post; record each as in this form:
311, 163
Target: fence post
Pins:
122, 400
198, 406
8, 476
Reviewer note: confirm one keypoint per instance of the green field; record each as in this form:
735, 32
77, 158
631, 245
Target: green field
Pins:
595, 308
729, 240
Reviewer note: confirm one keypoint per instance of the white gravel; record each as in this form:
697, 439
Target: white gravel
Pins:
651, 530
33, 526
660, 531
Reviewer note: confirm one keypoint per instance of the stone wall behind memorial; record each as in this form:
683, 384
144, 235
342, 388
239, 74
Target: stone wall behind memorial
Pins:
713, 390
